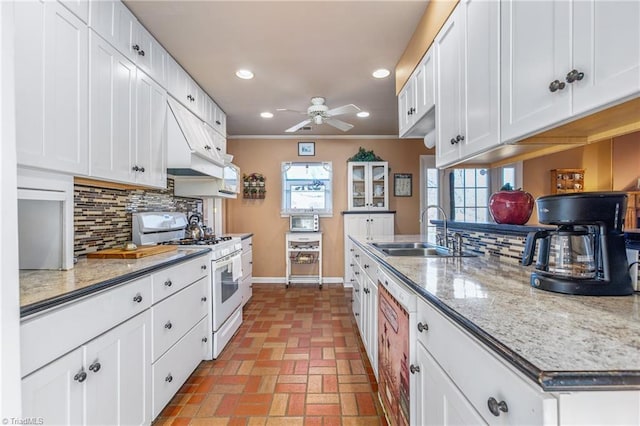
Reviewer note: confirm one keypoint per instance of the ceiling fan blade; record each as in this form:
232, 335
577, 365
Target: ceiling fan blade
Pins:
298, 126
339, 124
290, 110
344, 109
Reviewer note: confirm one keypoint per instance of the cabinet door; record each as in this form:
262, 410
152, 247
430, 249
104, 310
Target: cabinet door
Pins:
482, 76
357, 191
438, 401
51, 87
151, 132
378, 186
606, 48
535, 51
372, 348
111, 96
55, 392
144, 51
118, 385
406, 106
425, 85
381, 225
449, 49
80, 8
221, 122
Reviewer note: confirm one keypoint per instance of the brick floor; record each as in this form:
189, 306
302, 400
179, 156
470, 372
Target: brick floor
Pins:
296, 360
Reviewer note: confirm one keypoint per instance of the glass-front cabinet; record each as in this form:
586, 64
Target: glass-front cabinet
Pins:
368, 185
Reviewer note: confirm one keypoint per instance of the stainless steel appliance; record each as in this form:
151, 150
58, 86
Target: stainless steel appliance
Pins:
586, 254
304, 223
226, 269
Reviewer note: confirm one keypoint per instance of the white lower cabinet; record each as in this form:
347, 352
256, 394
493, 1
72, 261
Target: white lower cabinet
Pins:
246, 286
106, 381
438, 401
127, 356
365, 225
175, 366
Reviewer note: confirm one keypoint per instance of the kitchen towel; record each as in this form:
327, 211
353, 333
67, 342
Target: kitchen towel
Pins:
236, 268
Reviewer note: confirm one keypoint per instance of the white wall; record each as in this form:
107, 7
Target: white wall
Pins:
10, 391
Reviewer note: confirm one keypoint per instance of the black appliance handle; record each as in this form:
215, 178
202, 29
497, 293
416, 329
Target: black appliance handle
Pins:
530, 246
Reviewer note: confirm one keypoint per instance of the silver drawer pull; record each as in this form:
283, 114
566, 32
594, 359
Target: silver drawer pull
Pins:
168, 325
137, 298
496, 407
422, 327
414, 369
169, 378
168, 283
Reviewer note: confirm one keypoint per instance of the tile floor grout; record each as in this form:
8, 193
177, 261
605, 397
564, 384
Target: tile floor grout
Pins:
296, 360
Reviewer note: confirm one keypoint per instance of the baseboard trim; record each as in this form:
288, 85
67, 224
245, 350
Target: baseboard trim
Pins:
282, 280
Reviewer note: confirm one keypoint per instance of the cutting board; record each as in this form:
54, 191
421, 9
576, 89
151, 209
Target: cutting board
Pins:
141, 251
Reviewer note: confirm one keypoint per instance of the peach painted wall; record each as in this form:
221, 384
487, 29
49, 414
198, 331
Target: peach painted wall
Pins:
609, 165
626, 162
262, 217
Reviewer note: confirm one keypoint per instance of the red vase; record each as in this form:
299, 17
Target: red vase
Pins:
511, 207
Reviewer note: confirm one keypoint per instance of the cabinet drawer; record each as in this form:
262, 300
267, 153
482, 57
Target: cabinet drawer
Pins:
171, 280
480, 375
174, 367
44, 337
172, 317
369, 266
247, 245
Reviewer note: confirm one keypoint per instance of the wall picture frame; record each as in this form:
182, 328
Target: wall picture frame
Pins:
306, 149
402, 184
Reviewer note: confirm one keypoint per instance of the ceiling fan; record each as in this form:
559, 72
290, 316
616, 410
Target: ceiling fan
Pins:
319, 113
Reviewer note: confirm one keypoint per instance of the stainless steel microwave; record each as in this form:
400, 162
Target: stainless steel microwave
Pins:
304, 223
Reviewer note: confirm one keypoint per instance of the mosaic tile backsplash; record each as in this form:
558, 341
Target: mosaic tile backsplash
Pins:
102, 216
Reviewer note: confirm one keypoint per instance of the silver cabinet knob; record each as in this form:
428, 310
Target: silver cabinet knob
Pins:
168, 283
203, 267
95, 367
496, 407
574, 75
203, 299
414, 369
137, 298
204, 340
556, 85
135, 47
169, 378
168, 325
422, 327
81, 376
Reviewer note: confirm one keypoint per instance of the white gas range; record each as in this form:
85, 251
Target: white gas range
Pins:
225, 272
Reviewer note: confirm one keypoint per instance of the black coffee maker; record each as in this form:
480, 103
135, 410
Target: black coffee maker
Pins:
586, 254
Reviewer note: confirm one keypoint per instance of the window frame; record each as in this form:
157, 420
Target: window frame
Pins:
285, 206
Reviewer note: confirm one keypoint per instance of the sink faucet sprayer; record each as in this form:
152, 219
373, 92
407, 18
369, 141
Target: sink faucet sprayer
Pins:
444, 216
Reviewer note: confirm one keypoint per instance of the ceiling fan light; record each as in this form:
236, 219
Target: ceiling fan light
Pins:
381, 73
244, 74
363, 114
266, 114
317, 119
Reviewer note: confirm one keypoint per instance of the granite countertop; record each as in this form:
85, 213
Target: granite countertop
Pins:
562, 342
44, 289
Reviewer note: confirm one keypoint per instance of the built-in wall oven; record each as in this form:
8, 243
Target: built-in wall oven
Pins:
226, 269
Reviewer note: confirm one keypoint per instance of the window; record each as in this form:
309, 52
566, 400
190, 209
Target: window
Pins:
469, 195
307, 187
430, 195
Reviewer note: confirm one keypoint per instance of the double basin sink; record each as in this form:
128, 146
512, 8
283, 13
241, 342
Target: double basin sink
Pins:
419, 249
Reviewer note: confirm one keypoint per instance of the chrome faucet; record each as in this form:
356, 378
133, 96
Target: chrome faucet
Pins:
444, 216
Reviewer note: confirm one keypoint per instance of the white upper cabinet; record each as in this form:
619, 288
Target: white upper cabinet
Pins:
468, 89
150, 159
112, 85
116, 24
51, 59
182, 87
80, 8
416, 99
606, 49
561, 59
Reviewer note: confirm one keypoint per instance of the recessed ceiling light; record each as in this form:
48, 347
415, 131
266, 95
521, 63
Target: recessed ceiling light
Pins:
363, 114
244, 74
381, 73
266, 114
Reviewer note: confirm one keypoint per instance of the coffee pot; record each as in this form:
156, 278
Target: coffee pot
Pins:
586, 254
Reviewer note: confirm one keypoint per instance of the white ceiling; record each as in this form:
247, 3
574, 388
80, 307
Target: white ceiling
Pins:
296, 49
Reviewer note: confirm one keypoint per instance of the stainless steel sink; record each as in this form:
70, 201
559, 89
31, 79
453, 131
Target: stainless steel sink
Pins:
418, 249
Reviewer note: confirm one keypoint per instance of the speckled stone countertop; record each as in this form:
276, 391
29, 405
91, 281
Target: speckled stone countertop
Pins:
44, 289
562, 342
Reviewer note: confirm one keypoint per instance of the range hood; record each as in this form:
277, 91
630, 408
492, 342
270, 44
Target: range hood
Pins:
191, 150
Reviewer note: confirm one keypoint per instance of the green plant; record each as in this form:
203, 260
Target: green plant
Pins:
506, 187
364, 155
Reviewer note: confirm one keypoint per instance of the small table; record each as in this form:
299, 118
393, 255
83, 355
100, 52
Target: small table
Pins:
304, 257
